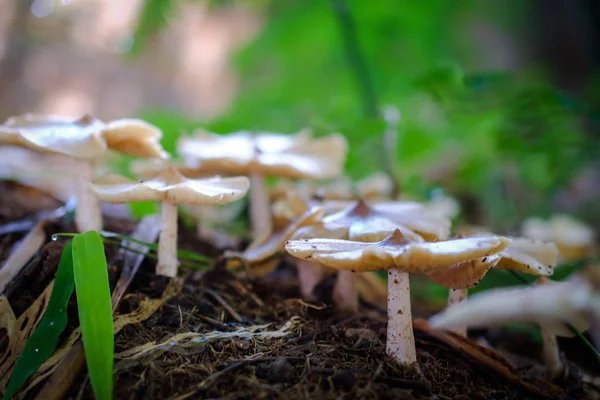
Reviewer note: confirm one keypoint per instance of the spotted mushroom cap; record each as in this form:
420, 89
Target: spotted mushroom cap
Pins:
529, 256
573, 238
395, 251
170, 185
550, 305
81, 138
293, 156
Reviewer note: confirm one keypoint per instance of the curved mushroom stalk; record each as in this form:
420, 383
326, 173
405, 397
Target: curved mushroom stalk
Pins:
400, 343
88, 216
345, 295
260, 208
554, 366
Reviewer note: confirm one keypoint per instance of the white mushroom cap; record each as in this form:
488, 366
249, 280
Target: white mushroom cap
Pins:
394, 252
358, 222
171, 186
294, 156
82, 138
550, 305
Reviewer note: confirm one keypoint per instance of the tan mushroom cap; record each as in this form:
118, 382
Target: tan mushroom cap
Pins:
522, 255
464, 275
149, 168
550, 305
395, 251
275, 243
134, 137
170, 185
83, 138
533, 257
573, 238
358, 222
294, 156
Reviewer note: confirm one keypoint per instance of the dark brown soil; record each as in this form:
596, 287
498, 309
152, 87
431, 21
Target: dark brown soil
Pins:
326, 355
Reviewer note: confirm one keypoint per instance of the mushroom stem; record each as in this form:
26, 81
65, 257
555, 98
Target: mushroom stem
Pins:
167, 241
456, 296
260, 212
551, 354
345, 296
400, 344
309, 276
88, 216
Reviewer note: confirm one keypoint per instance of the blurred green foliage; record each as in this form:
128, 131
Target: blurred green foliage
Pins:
509, 140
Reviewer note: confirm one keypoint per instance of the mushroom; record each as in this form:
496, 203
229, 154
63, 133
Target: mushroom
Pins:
551, 305
574, 239
397, 254
529, 256
361, 222
170, 188
77, 144
292, 156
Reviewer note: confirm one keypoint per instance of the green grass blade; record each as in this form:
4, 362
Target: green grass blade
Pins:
95, 311
44, 339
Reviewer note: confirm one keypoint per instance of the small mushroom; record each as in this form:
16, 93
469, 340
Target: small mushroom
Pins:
292, 156
81, 142
170, 188
361, 222
550, 305
399, 256
574, 239
529, 256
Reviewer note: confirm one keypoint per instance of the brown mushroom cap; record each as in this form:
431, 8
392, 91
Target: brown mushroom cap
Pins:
395, 251
522, 255
464, 275
170, 185
82, 138
294, 156
134, 137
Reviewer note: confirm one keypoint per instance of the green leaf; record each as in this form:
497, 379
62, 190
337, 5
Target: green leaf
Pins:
95, 311
44, 339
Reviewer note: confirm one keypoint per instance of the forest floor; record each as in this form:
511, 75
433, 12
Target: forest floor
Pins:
216, 335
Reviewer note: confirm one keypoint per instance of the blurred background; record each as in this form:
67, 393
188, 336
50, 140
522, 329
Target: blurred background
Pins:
499, 100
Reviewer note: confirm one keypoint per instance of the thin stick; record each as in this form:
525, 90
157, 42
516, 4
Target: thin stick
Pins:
234, 314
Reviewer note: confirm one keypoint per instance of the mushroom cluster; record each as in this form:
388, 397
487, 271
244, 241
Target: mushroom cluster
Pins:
75, 145
333, 228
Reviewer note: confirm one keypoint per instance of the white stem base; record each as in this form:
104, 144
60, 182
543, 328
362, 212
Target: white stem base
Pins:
260, 208
554, 365
345, 296
167, 241
309, 276
400, 343
456, 296
88, 216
